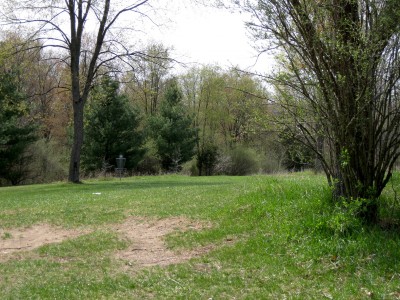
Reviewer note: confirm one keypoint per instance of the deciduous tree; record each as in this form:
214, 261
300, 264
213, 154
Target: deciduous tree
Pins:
342, 82
148, 78
66, 26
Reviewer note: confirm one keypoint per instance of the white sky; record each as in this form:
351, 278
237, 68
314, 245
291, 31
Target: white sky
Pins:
208, 35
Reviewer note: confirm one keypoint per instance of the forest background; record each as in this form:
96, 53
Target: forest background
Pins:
223, 112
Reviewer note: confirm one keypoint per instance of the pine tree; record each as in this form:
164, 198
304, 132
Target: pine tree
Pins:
111, 130
16, 133
172, 130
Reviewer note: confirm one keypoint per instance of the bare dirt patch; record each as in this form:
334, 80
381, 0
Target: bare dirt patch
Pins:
147, 241
146, 236
26, 239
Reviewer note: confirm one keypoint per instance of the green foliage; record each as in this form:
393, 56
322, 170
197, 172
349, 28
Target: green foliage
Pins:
150, 163
244, 161
190, 168
272, 156
337, 86
229, 108
207, 158
112, 129
16, 133
172, 130
341, 220
297, 155
50, 161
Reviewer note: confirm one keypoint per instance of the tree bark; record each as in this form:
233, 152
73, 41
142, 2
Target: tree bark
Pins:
74, 167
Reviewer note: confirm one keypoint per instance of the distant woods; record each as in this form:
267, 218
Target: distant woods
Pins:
205, 121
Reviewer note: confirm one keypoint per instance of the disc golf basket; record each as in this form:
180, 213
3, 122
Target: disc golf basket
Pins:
120, 169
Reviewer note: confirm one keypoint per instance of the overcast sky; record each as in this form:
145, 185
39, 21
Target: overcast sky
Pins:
208, 35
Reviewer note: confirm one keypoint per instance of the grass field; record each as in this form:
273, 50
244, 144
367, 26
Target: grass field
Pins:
267, 237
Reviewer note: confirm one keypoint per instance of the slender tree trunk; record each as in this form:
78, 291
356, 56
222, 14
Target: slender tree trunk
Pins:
74, 167
320, 149
199, 157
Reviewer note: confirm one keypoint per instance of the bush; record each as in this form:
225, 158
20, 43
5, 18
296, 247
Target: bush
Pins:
190, 168
272, 158
244, 162
342, 219
222, 167
238, 162
150, 164
50, 162
270, 165
206, 159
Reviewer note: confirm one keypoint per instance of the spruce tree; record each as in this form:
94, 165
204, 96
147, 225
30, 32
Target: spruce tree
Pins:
111, 130
172, 130
16, 133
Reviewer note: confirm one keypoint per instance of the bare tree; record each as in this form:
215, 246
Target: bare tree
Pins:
340, 85
66, 25
149, 77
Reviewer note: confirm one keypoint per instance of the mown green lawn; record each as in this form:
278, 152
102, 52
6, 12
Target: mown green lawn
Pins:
285, 241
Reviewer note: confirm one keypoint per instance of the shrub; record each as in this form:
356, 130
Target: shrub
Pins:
50, 161
207, 159
150, 164
222, 166
244, 161
190, 168
239, 161
342, 219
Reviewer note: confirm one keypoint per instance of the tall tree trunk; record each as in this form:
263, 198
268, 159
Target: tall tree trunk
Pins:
74, 167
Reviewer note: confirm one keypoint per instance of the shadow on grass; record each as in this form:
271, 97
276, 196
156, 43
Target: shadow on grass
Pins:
159, 184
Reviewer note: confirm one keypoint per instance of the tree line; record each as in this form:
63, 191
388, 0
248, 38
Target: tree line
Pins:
207, 120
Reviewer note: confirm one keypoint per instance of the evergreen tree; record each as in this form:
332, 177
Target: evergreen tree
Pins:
16, 133
172, 130
111, 130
